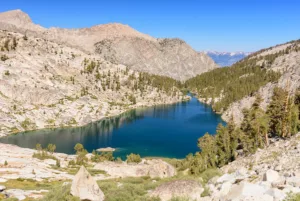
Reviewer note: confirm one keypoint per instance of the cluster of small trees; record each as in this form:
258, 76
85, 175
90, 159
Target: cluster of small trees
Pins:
99, 156
137, 82
43, 154
281, 119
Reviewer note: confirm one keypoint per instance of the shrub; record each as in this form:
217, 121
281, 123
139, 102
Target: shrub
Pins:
209, 173
81, 158
59, 193
25, 124
103, 156
132, 99
293, 197
5, 163
58, 163
51, 148
80, 152
133, 158
72, 163
4, 57
79, 148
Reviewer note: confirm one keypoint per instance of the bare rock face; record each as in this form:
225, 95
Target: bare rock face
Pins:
153, 168
182, 188
85, 187
169, 57
120, 44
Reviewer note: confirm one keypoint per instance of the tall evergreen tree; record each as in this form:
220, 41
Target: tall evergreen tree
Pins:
208, 147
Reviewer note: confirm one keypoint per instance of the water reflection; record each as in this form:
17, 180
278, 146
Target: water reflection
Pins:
166, 130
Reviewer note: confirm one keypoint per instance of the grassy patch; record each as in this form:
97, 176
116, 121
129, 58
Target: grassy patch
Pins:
136, 188
60, 193
293, 197
180, 199
209, 173
29, 184
129, 189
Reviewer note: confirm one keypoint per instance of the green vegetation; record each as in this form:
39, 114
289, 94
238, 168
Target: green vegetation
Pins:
4, 57
293, 197
103, 156
132, 99
132, 189
60, 193
51, 148
43, 154
137, 82
72, 122
180, 199
133, 158
80, 152
30, 184
26, 123
281, 119
231, 84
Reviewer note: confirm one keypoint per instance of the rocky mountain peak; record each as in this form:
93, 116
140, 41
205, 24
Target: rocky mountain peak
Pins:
15, 17
119, 44
113, 30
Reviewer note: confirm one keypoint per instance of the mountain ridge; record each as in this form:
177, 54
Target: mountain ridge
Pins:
178, 60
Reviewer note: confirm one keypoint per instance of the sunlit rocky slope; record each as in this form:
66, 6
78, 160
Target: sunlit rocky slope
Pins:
119, 44
45, 84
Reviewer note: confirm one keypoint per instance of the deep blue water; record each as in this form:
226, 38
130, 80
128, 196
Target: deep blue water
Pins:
161, 131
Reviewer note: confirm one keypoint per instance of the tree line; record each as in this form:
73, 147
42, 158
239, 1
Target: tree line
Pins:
281, 119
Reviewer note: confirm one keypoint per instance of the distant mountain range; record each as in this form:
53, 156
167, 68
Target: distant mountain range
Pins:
226, 58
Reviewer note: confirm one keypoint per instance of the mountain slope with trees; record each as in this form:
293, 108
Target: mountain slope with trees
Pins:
230, 90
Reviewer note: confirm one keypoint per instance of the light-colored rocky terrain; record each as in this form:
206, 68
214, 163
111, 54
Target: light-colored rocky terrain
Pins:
119, 44
45, 84
288, 64
18, 164
270, 174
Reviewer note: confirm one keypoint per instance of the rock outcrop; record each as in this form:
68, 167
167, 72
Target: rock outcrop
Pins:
187, 189
269, 174
85, 187
120, 44
153, 168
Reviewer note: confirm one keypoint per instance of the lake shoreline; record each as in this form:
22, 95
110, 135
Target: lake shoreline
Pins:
144, 130
186, 98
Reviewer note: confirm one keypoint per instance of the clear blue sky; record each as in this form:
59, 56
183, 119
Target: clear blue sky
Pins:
223, 25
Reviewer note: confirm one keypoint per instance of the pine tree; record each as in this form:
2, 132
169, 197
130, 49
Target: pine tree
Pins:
276, 111
208, 148
223, 145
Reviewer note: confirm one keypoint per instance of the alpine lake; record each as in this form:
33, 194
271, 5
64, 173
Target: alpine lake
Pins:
160, 131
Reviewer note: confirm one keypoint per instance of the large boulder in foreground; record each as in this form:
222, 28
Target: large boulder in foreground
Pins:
182, 188
85, 187
248, 191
